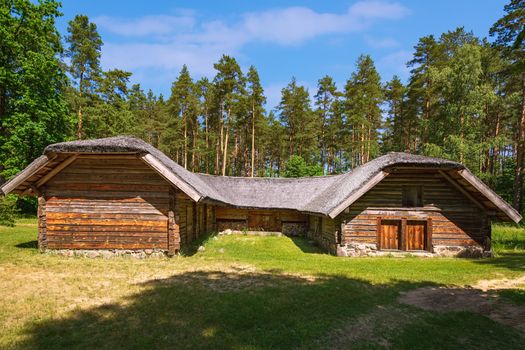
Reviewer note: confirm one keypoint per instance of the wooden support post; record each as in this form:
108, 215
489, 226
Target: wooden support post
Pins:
378, 232
403, 235
173, 224
428, 243
206, 231
42, 224
195, 232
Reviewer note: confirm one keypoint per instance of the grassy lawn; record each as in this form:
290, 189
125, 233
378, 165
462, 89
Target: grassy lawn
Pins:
246, 292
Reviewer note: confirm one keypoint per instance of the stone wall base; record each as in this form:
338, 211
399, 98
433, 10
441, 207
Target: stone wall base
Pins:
108, 253
370, 249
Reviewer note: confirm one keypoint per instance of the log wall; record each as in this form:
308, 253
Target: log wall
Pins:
109, 203
456, 220
324, 231
286, 221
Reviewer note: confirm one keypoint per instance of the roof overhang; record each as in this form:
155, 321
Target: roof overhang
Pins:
45, 167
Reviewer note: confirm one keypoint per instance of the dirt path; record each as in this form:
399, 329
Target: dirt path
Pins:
481, 298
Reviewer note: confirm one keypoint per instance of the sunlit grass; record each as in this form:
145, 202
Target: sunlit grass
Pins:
240, 292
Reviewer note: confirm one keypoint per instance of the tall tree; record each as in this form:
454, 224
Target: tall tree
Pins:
33, 112
363, 97
183, 103
229, 89
510, 37
256, 101
300, 121
396, 136
325, 102
84, 52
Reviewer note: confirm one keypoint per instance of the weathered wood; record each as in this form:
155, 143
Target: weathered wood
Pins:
31, 170
56, 170
462, 190
171, 177
450, 215
346, 203
493, 197
87, 214
42, 223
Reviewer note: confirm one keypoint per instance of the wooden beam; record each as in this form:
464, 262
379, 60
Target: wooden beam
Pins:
25, 174
378, 233
167, 174
491, 195
358, 194
462, 190
56, 170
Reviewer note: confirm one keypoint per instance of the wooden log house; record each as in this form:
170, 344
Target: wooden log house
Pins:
122, 194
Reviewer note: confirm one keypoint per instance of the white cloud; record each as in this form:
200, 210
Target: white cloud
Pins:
147, 25
168, 41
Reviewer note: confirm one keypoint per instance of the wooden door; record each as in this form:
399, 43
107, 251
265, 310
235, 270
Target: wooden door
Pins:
415, 235
390, 234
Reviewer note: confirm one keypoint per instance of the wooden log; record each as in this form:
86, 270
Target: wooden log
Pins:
42, 223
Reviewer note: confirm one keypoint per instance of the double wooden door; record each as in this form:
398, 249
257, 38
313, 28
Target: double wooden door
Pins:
403, 234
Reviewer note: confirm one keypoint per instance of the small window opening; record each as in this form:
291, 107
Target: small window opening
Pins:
412, 196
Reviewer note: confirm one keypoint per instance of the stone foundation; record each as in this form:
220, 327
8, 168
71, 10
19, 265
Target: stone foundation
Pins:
250, 232
108, 253
370, 249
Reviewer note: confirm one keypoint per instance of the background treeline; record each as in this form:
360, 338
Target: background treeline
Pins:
464, 100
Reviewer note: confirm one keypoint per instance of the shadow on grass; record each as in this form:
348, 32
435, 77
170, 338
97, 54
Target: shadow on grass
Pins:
193, 247
248, 310
307, 246
508, 260
28, 245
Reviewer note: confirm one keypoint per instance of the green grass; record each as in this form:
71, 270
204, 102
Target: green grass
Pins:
244, 292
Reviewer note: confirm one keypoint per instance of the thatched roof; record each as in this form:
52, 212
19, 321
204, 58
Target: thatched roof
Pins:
324, 195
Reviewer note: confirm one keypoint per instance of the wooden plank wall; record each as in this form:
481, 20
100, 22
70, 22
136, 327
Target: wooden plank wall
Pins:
107, 203
324, 231
458, 222
257, 219
196, 219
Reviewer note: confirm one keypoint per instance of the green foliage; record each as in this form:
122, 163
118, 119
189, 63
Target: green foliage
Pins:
8, 210
302, 125
296, 166
32, 109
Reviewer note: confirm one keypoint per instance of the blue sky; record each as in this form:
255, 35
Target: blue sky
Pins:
306, 39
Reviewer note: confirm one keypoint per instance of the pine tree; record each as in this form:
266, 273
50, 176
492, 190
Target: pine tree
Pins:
510, 38
84, 52
396, 136
256, 101
325, 101
300, 122
229, 86
363, 97
183, 105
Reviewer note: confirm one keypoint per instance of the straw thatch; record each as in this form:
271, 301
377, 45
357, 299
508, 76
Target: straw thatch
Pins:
321, 195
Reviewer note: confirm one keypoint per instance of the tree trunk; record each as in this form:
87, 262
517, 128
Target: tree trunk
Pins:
225, 152
79, 126
207, 143
80, 121
185, 160
520, 145
253, 142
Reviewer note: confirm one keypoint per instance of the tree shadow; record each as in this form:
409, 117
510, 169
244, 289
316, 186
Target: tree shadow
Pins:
508, 260
306, 245
28, 245
237, 309
192, 248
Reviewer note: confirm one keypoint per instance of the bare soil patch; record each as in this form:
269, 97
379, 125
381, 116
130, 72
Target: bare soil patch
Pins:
487, 303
